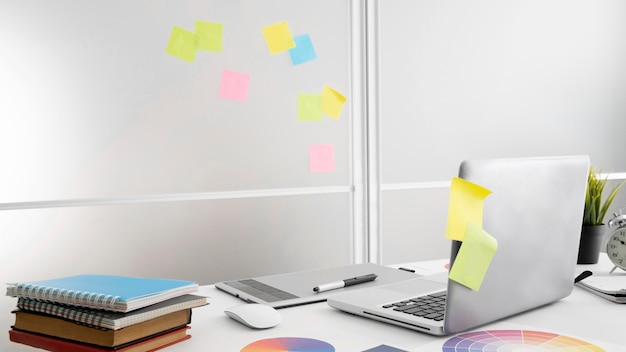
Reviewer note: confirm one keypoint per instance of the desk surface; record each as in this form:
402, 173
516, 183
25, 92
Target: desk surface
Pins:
581, 315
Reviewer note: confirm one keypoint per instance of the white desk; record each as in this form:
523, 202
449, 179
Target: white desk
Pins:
581, 315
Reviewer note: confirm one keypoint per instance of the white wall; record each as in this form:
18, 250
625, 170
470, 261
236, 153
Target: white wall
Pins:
488, 78
129, 161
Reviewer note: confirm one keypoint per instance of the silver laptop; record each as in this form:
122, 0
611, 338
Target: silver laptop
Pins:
297, 288
535, 213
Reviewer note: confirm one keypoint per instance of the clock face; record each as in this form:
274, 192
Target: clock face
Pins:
616, 247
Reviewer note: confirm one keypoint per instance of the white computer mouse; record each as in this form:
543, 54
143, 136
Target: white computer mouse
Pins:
257, 316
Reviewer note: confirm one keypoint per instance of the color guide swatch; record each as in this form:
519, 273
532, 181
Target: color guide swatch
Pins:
289, 344
516, 340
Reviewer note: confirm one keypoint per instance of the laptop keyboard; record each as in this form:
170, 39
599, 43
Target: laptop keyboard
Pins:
429, 306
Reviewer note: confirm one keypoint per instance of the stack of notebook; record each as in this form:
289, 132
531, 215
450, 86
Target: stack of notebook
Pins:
103, 313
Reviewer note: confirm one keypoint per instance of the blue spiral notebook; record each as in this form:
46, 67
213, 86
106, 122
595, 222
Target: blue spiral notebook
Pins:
107, 292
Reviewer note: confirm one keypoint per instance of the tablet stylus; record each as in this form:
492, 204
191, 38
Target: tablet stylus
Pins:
344, 283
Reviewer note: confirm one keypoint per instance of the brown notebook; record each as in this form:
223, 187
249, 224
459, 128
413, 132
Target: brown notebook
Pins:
61, 328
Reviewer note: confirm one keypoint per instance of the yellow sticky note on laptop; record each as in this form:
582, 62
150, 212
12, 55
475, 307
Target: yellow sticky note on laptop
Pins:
466, 205
474, 257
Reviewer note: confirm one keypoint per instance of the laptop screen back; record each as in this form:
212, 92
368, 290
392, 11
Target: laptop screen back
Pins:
535, 213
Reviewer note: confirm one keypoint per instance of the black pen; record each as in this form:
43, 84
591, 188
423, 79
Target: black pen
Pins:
344, 283
585, 274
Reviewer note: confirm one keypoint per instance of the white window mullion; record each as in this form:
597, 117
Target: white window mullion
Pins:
373, 134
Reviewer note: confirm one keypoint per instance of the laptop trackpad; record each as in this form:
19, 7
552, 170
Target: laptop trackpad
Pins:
420, 286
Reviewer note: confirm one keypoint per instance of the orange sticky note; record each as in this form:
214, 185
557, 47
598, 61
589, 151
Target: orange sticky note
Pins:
466, 205
474, 257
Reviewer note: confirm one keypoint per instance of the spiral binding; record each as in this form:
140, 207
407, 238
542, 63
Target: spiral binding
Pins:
72, 297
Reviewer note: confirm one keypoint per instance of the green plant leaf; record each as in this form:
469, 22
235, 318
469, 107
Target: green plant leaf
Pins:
595, 209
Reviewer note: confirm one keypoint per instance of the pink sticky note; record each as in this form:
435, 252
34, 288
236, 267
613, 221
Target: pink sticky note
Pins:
234, 85
322, 158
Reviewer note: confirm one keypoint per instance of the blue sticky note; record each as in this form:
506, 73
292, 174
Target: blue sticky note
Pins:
304, 51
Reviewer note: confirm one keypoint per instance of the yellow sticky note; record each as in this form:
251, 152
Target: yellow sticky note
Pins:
278, 37
182, 44
466, 205
474, 257
332, 102
209, 36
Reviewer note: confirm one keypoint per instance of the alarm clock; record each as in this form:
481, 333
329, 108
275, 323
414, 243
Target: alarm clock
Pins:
616, 244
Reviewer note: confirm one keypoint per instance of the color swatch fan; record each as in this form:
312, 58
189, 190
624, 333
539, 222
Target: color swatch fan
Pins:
289, 344
516, 340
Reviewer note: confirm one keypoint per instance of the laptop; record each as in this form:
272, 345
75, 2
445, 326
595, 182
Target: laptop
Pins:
297, 288
535, 213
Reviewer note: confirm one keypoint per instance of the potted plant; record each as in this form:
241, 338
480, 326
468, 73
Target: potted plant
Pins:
593, 217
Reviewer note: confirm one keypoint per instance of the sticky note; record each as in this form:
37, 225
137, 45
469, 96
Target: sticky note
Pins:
278, 37
466, 205
182, 44
310, 107
303, 51
322, 158
332, 102
209, 36
234, 85
474, 257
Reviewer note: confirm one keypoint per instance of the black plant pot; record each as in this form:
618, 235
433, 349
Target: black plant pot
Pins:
590, 243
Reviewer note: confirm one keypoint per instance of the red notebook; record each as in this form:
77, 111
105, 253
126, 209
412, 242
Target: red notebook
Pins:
52, 344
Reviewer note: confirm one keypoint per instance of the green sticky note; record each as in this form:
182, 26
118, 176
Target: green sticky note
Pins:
310, 107
474, 257
209, 36
182, 44
332, 102
466, 205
